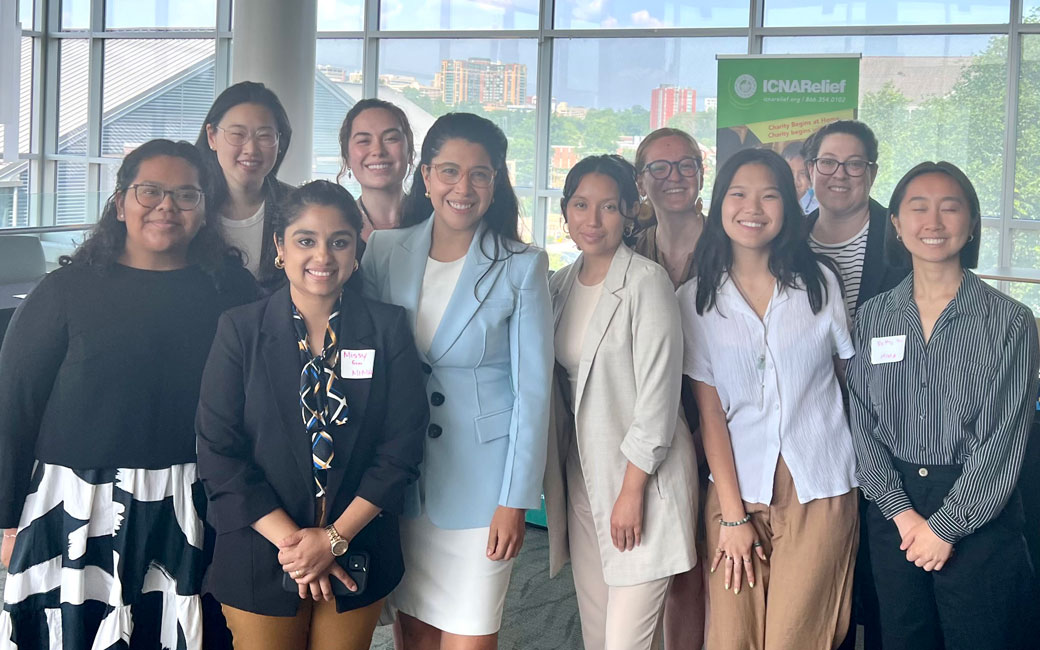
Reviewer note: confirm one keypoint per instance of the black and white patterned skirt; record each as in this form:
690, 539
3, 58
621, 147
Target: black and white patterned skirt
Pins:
107, 559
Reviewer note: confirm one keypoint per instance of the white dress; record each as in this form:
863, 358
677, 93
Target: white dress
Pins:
449, 582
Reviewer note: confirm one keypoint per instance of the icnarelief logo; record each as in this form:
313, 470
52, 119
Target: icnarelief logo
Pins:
805, 86
745, 86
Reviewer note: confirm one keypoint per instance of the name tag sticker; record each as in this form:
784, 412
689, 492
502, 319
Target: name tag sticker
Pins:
356, 364
887, 349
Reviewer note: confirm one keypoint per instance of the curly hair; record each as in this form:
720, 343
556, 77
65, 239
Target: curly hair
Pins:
106, 242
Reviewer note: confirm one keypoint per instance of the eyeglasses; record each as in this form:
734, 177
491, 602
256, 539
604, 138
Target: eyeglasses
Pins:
662, 169
450, 174
237, 136
150, 196
828, 166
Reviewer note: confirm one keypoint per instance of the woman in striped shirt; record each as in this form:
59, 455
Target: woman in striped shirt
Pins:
942, 399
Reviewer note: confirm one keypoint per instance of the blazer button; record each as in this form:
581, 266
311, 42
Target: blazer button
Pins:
435, 431
427, 368
923, 472
436, 399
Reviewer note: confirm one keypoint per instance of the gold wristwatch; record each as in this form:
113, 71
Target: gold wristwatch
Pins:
339, 545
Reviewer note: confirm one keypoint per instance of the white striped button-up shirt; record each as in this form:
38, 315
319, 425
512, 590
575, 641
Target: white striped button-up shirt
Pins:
965, 398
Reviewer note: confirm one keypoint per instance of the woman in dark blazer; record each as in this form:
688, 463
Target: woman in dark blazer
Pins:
292, 488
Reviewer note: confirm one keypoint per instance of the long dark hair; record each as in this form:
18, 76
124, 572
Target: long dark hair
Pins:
245, 92
106, 242
617, 168
790, 258
896, 252
347, 129
503, 215
323, 193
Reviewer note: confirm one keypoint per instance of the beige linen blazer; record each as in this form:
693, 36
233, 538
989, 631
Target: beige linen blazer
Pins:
626, 409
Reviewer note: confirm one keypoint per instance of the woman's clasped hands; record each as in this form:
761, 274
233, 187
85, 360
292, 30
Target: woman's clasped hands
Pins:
306, 556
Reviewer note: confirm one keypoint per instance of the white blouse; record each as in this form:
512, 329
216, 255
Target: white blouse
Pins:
247, 235
438, 284
570, 334
775, 378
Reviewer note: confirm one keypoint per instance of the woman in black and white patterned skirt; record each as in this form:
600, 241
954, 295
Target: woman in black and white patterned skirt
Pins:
99, 379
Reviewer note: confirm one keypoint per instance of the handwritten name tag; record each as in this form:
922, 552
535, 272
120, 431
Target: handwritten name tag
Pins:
887, 349
356, 364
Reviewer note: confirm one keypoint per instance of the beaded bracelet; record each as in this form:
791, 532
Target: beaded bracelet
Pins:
739, 522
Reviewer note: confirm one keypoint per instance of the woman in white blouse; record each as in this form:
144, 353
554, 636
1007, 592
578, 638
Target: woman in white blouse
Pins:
621, 478
766, 332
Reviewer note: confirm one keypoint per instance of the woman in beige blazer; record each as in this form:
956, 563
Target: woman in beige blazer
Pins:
621, 478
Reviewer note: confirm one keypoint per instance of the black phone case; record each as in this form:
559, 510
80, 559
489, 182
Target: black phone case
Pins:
355, 563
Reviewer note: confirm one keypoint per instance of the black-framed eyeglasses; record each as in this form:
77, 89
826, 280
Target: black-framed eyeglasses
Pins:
237, 136
450, 174
828, 166
150, 196
662, 169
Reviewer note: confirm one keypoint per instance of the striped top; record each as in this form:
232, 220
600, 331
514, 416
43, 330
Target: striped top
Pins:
849, 256
964, 398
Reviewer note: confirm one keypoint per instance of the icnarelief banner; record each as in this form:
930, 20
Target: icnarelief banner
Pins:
777, 102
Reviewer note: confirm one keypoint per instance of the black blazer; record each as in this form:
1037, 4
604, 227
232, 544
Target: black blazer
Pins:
254, 453
879, 274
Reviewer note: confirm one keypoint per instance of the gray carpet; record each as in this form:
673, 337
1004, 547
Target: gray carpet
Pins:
541, 614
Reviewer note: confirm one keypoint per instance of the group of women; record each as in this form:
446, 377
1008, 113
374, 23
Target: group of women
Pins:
364, 420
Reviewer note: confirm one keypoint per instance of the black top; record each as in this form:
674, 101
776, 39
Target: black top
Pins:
255, 454
965, 398
101, 369
879, 274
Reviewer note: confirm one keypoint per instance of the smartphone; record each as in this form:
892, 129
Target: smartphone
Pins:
355, 563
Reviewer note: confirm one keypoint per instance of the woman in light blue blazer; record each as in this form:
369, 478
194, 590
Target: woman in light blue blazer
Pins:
473, 292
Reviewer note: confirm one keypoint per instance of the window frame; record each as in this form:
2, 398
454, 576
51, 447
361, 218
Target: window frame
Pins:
46, 32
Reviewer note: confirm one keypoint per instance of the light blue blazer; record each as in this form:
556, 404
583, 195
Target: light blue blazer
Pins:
489, 399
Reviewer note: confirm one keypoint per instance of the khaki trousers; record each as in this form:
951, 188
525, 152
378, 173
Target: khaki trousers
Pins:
612, 618
316, 626
802, 596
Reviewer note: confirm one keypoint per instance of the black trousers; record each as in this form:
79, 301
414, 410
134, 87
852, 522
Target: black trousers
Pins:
978, 601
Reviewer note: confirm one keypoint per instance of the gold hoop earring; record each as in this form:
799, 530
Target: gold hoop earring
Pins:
971, 238
566, 229
427, 194
279, 263
356, 265
899, 238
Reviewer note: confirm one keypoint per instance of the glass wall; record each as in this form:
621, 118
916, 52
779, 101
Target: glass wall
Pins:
123, 72
940, 79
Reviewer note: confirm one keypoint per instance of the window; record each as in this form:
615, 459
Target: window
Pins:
338, 85
804, 13
457, 14
14, 174
928, 98
595, 76
341, 15
160, 14
493, 78
611, 14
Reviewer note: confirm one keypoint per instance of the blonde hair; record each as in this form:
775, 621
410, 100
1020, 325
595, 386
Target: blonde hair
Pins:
665, 132
646, 215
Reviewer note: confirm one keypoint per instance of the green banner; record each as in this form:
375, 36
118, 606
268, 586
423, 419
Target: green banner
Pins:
777, 101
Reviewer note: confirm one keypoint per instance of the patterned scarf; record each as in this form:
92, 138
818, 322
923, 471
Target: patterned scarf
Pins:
323, 403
